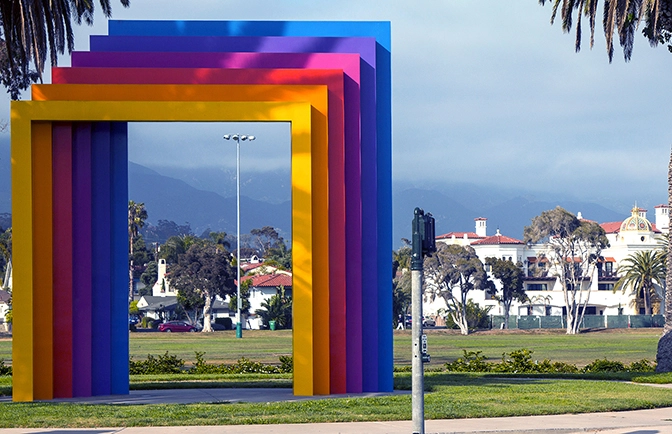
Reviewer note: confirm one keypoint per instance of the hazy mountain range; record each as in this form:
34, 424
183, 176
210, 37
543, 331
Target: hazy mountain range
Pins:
266, 195
205, 198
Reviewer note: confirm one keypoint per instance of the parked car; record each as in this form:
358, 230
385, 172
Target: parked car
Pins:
428, 322
176, 326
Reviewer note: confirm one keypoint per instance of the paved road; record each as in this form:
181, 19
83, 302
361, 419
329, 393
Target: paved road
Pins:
657, 421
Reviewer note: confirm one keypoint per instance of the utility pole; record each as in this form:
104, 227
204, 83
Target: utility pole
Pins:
423, 244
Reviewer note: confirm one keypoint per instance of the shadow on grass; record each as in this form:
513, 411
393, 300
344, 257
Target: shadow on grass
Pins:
403, 381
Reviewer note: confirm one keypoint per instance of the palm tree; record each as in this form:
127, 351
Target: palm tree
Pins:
137, 214
641, 272
623, 17
34, 28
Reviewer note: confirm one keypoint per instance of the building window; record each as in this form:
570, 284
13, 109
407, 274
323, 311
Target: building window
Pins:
605, 286
537, 287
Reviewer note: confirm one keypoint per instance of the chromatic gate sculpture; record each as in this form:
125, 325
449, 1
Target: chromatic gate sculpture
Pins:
69, 161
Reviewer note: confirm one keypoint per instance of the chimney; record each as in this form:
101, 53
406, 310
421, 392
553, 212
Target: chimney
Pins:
481, 226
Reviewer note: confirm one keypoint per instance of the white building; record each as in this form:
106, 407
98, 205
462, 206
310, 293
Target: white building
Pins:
635, 233
162, 287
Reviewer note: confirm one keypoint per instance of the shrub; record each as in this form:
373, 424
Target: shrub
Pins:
478, 318
242, 366
5, 370
286, 364
517, 362
472, 361
642, 366
164, 364
604, 365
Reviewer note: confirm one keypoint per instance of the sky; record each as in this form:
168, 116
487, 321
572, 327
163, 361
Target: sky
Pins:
483, 91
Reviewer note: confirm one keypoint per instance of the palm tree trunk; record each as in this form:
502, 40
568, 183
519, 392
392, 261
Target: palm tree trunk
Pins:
664, 354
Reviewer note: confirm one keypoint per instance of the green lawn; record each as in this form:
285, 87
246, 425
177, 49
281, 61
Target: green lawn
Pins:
625, 345
449, 396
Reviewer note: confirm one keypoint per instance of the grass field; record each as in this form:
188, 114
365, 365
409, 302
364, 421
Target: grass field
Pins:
449, 395
624, 345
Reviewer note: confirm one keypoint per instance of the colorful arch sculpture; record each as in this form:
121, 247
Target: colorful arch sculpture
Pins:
71, 143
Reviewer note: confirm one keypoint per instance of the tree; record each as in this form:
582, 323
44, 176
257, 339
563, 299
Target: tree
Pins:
33, 29
5, 250
572, 248
178, 245
277, 308
245, 298
137, 214
165, 229
511, 278
401, 281
454, 268
265, 239
279, 256
641, 272
622, 17
206, 271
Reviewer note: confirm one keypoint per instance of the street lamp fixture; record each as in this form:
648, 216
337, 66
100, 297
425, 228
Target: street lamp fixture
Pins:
237, 138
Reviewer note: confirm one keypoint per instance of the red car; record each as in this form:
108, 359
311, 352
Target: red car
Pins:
176, 326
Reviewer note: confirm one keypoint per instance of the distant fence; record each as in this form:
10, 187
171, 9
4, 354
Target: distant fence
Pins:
527, 322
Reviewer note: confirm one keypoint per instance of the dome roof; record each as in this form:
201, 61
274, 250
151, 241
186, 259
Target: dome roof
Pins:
636, 223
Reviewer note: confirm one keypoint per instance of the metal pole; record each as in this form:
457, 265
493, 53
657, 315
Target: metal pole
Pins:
417, 385
239, 325
417, 372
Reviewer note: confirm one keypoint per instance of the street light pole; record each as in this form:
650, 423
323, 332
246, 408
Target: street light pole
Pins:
237, 138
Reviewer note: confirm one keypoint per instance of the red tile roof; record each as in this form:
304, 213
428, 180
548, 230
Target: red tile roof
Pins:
248, 266
469, 235
270, 280
615, 227
611, 227
496, 239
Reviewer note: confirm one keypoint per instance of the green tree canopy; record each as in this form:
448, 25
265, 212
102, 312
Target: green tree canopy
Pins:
206, 271
511, 278
573, 249
451, 273
641, 271
621, 17
35, 29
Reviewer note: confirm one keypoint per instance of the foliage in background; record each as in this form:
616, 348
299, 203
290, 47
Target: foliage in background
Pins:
242, 366
641, 272
622, 17
4, 369
520, 361
204, 271
163, 364
401, 281
511, 276
171, 364
572, 249
454, 269
244, 296
33, 30
478, 318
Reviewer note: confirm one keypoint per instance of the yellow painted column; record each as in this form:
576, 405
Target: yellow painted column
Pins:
22, 257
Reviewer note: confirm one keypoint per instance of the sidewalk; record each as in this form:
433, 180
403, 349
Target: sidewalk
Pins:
656, 421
